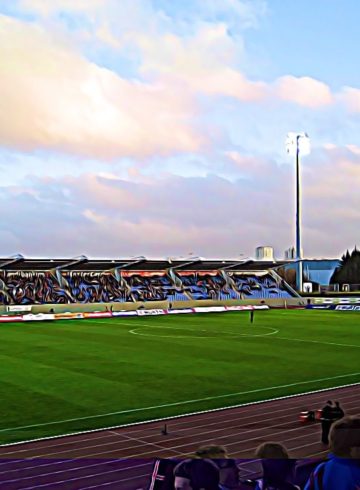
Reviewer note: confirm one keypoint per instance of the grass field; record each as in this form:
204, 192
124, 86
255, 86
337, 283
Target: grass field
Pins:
68, 376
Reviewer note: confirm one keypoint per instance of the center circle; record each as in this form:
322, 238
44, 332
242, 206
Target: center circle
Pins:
201, 333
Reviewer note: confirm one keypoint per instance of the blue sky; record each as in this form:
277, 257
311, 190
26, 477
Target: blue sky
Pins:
155, 127
318, 38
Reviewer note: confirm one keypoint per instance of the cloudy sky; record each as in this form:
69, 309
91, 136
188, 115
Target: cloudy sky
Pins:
157, 127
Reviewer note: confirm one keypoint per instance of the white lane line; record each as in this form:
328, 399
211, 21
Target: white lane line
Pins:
66, 470
151, 452
52, 484
146, 443
114, 482
171, 439
211, 439
184, 402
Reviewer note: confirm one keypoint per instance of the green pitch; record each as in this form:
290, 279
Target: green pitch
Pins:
68, 376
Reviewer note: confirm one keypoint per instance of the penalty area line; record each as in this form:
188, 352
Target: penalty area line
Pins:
174, 417
184, 402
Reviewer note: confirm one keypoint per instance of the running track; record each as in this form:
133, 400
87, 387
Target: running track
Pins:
122, 458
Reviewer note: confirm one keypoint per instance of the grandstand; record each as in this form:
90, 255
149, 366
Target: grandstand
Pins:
60, 281
123, 419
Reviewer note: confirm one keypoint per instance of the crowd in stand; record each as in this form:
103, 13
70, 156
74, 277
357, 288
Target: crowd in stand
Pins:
32, 288
150, 288
204, 286
96, 287
262, 286
212, 469
92, 287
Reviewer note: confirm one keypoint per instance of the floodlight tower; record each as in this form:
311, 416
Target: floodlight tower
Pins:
298, 144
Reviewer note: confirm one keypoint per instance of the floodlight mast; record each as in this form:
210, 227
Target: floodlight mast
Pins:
298, 202
294, 142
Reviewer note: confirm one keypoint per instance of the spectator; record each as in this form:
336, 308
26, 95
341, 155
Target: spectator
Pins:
197, 474
229, 472
211, 469
327, 418
338, 412
342, 470
278, 469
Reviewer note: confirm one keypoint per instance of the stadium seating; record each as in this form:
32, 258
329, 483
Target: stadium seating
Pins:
92, 287
154, 287
46, 287
258, 287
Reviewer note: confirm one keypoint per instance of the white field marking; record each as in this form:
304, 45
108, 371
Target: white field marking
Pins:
209, 333
132, 447
228, 333
317, 342
174, 425
185, 402
196, 328
161, 419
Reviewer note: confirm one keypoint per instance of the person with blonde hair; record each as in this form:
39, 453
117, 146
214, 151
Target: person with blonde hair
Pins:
342, 470
211, 468
278, 468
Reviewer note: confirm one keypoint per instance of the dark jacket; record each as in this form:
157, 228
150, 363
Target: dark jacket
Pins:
199, 474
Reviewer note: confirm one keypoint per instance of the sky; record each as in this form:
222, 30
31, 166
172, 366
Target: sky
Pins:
158, 127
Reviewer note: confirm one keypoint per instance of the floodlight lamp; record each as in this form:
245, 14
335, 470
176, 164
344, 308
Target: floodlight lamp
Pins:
297, 143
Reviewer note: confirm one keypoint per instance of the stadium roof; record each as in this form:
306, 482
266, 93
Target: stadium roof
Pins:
82, 263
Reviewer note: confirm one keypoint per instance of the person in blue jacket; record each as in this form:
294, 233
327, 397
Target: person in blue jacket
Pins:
342, 470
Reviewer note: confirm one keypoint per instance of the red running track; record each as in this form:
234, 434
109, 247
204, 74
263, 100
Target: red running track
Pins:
122, 458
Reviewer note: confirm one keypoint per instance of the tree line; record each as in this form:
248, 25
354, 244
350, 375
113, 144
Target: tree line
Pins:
348, 272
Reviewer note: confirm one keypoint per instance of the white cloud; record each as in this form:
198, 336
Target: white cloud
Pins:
203, 62
106, 216
350, 97
46, 7
54, 98
304, 91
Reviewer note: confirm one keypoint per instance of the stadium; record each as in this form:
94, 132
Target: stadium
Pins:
132, 131
120, 362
